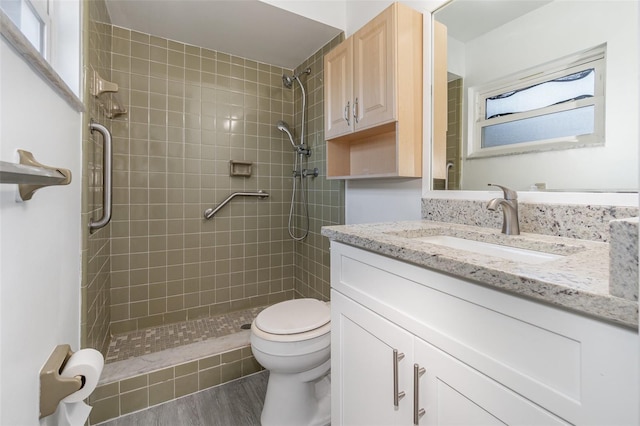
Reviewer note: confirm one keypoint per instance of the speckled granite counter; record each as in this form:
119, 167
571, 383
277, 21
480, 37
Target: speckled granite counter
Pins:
579, 280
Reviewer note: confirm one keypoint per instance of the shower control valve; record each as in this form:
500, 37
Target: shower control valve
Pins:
306, 172
300, 149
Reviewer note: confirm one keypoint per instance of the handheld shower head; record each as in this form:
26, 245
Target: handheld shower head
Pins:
284, 128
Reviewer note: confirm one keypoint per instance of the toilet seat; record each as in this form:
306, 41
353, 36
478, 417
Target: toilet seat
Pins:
293, 320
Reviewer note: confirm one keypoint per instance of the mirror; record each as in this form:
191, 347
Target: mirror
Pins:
504, 47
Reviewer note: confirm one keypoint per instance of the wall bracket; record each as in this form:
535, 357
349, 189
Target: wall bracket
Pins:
111, 103
30, 175
59, 175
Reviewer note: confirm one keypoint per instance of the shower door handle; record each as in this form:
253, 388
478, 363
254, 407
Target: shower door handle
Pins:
346, 113
94, 225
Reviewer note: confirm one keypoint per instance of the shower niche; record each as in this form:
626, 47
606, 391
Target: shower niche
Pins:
373, 99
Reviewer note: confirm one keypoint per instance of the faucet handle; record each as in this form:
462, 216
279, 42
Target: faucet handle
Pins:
509, 194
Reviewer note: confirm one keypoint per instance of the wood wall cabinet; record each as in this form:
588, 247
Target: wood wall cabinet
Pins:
467, 354
373, 99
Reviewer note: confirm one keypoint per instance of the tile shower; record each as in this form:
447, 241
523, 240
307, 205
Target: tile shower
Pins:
190, 111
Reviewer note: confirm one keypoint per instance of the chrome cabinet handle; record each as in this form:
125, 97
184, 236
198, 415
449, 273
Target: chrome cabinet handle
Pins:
94, 225
417, 412
355, 110
346, 113
397, 396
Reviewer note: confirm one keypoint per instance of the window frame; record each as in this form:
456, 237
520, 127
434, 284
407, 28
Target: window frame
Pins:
593, 58
44, 10
63, 70
41, 10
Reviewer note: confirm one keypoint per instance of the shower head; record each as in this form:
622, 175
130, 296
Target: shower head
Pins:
284, 128
287, 80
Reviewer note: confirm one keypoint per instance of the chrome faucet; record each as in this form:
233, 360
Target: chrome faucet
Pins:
510, 224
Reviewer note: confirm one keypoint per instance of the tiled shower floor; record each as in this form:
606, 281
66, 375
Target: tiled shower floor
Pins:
156, 339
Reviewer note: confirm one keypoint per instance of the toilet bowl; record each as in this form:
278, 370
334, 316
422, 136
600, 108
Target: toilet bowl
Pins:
292, 340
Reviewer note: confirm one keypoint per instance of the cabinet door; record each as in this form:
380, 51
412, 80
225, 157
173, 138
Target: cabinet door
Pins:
338, 83
362, 367
452, 393
374, 48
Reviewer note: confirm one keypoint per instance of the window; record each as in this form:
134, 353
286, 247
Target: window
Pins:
32, 17
557, 106
52, 29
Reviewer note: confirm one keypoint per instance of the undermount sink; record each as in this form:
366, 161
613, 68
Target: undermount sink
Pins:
496, 250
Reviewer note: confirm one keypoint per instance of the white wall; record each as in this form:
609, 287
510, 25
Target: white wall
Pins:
455, 57
382, 200
551, 32
39, 239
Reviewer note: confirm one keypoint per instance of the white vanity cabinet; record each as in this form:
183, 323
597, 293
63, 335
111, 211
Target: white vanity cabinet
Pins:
453, 393
488, 357
366, 361
449, 391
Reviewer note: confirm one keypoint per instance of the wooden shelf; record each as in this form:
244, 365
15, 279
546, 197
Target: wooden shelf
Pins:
366, 154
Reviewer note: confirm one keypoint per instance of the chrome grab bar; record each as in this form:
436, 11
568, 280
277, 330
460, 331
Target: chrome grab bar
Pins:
209, 213
446, 176
94, 225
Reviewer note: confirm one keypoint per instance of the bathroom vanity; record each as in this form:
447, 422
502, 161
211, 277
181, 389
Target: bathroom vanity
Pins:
427, 333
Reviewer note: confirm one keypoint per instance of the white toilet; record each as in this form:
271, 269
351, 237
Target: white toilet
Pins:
292, 340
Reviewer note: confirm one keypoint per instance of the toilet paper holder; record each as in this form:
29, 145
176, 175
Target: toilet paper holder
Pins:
53, 387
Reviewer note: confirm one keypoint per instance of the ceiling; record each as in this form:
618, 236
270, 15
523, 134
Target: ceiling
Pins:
256, 30
249, 29
468, 19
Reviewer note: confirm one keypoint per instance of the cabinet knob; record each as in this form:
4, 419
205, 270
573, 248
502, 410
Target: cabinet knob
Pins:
397, 396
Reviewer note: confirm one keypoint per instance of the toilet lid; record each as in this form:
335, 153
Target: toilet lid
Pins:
293, 316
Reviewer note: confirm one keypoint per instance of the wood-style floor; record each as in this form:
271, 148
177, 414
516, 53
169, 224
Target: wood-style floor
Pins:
238, 403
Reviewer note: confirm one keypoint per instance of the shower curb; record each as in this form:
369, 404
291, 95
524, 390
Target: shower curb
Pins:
124, 394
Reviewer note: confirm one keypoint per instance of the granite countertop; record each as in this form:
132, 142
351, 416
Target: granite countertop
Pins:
578, 279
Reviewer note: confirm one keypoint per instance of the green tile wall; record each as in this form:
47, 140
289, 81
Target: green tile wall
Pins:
191, 110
